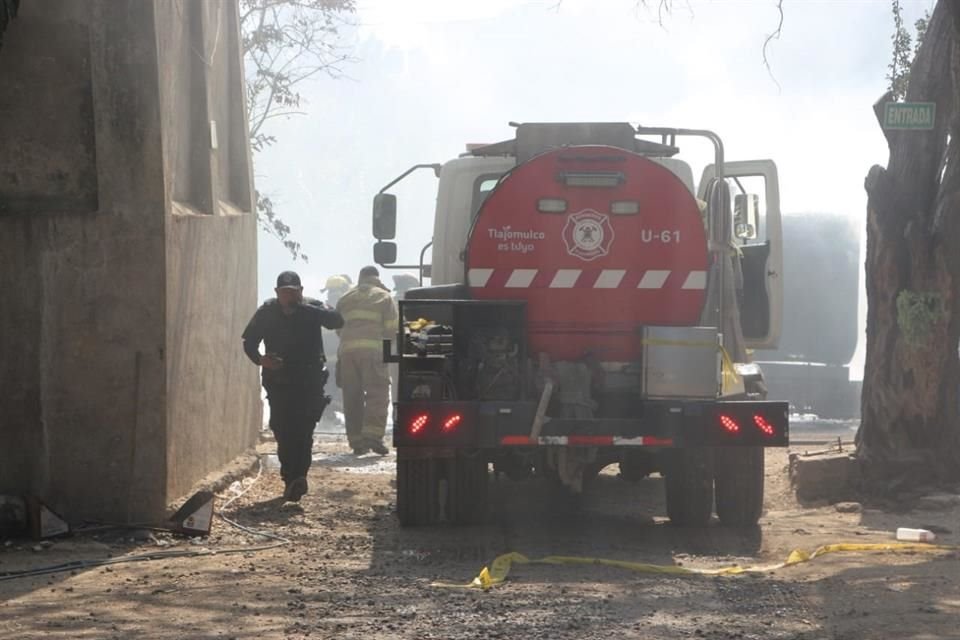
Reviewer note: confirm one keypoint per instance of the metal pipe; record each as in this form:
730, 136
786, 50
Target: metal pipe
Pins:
718, 228
541, 416
422, 253
667, 132
436, 170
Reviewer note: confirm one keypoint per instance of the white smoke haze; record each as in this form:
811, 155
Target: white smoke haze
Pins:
434, 75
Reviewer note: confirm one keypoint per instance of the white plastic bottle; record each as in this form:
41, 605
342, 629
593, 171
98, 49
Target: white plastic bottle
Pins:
915, 535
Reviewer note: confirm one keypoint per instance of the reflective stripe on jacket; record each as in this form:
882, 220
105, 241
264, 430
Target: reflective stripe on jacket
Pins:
369, 316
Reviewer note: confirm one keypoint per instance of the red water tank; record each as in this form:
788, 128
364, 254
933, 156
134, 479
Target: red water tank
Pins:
599, 241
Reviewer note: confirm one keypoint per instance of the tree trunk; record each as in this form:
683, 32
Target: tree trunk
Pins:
910, 418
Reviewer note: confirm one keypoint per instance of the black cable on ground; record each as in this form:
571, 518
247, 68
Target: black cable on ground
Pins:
239, 526
146, 557
77, 565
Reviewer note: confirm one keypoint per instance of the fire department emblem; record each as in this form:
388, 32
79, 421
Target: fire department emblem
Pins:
588, 234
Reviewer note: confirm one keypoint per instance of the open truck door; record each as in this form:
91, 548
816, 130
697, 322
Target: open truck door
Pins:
756, 229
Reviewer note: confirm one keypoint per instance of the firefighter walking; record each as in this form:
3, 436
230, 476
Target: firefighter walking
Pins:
370, 316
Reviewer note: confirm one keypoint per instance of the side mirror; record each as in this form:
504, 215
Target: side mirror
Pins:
746, 215
385, 252
385, 216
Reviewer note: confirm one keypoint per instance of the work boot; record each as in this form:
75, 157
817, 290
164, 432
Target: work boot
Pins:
359, 451
296, 490
379, 448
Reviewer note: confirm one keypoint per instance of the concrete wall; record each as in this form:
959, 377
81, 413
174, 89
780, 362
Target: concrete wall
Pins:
120, 364
213, 390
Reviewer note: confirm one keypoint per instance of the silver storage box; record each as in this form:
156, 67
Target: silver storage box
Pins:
681, 362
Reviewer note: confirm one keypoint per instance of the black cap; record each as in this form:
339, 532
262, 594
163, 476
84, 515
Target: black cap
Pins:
288, 280
369, 272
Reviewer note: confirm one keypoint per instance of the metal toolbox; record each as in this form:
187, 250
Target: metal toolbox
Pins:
681, 362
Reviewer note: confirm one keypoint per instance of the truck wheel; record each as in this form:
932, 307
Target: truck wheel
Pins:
418, 493
738, 479
468, 481
689, 486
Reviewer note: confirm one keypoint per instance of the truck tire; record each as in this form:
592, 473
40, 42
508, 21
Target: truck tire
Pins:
689, 486
468, 484
418, 495
738, 480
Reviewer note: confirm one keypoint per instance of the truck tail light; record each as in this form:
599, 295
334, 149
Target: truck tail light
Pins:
418, 424
749, 424
729, 424
764, 425
451, 423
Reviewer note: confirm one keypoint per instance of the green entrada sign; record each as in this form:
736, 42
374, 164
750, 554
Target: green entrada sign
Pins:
909, 115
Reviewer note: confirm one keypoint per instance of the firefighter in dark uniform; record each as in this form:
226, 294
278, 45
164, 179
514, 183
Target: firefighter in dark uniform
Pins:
293, 373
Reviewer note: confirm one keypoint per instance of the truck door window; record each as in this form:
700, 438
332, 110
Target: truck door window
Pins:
482, 187
754, 252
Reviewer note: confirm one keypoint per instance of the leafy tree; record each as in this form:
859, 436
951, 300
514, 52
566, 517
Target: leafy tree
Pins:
285, 43
910, 428
902, 54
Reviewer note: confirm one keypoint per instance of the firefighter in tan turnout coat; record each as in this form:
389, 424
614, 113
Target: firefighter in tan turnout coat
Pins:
370, 316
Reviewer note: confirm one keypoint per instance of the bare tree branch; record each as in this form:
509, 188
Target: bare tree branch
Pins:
773, 36
664, 8
286, 43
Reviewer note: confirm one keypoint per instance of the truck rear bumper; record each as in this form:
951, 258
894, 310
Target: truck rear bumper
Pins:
586, 441
663, 423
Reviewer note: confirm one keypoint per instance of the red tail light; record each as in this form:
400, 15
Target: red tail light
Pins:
729, 425
451, 423
418, 424
764, 425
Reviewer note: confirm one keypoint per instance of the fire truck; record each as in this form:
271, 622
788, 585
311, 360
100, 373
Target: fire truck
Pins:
589, 305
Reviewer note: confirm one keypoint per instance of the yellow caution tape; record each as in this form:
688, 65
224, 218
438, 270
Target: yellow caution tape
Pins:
730, 381
499, 569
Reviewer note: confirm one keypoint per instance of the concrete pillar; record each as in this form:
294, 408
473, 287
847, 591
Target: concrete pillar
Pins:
121, 375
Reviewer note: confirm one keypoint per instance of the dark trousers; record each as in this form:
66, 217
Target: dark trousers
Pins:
293, 416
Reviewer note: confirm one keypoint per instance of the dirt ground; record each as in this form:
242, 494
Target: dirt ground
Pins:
350, 571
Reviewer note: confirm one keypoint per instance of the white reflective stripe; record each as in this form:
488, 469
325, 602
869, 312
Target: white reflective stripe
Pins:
565, 278
628, 442
609, 279
521, 278
553, 440
479, 277
696, 280
360, 343
362, 314
653, 280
